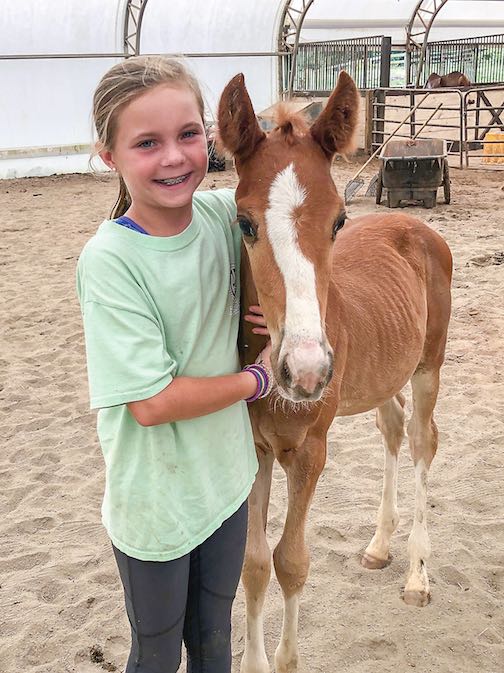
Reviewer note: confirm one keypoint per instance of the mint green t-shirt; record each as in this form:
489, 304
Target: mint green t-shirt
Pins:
155, 308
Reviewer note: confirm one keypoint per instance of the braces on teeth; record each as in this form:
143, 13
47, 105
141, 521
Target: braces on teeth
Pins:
173, 181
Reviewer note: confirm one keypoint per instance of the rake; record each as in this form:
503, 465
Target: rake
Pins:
356, 183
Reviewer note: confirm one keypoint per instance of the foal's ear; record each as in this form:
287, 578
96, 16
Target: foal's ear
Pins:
238, 128
334, 130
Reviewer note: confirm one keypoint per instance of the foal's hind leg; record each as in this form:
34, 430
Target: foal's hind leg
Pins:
423, 439
257, 567
390, 422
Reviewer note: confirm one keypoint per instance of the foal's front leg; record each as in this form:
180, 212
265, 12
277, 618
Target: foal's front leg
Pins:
291, 556
257, 567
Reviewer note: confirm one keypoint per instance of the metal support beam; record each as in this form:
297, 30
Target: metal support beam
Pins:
291, 23
133, 17
417, 33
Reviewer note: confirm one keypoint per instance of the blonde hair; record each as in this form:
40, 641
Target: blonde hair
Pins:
123, 83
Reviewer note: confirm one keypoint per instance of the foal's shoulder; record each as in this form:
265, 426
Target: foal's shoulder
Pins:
368, 233
378, 235
384, 226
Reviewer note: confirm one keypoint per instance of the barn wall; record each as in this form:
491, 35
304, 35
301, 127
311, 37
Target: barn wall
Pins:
45, 117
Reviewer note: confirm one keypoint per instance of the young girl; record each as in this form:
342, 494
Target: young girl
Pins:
159, 291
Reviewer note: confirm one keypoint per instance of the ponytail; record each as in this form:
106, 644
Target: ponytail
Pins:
123, 201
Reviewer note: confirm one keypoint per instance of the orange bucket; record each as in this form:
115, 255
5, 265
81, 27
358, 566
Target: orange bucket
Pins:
492, 145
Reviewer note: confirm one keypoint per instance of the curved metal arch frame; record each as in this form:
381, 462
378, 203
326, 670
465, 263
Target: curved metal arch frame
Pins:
424, 13
291, 23
132, 27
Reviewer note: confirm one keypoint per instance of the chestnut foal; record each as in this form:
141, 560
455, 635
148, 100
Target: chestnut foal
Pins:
354, 312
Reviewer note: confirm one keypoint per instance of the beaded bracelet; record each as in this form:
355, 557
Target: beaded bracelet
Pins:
264, 381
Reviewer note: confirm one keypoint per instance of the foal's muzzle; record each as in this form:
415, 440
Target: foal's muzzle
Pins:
304, 369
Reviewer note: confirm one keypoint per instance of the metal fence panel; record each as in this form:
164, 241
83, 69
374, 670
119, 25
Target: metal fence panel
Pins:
470, 121
318, 64
480, 58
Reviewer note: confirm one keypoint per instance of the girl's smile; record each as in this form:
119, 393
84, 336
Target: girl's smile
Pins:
172, 182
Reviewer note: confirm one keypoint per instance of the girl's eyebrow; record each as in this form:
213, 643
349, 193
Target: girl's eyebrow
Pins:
197, 123
144, 134
149, 134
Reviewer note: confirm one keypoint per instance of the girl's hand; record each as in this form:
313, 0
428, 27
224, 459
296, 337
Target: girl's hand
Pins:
256, 317
264, 357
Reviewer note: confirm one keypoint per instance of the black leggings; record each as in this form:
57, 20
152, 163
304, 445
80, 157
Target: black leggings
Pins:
187, 599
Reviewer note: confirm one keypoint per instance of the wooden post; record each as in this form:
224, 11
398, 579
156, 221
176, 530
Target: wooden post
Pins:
368, 133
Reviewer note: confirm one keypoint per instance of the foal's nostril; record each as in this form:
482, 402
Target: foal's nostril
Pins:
330, 366
286, 372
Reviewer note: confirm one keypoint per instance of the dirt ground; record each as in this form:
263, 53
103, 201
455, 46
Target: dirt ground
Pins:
60, 597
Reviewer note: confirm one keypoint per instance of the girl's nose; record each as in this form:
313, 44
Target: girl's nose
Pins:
172, 155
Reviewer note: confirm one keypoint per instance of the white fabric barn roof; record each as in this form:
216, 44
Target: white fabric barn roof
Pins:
332, 19
45, 117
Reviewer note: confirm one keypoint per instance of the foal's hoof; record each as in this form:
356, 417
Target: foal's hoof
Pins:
373, 563
418, 599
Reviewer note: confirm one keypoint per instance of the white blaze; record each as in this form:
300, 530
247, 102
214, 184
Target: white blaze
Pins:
302, 313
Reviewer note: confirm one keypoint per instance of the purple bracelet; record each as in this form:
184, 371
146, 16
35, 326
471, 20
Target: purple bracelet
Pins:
263, 381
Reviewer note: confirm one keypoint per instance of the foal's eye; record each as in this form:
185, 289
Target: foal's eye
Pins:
246, 227
338, 224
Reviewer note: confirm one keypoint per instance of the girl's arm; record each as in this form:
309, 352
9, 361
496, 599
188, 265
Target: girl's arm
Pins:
186, 397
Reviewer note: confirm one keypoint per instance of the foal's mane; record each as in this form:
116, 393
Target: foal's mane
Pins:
288, 122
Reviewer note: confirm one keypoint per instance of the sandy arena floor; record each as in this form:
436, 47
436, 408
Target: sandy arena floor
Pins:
60, 597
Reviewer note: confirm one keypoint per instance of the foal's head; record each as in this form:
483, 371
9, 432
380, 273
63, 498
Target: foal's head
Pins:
289, 212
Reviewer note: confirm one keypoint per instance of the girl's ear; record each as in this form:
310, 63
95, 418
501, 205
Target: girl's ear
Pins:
106, 157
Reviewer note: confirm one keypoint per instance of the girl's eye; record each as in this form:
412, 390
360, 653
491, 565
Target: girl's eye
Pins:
338, 224
247, 228
189, 134
146, 143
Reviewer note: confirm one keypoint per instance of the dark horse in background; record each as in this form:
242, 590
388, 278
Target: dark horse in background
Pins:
453, 79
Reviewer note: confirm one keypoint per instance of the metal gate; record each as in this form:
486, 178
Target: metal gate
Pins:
470, 120
318, 64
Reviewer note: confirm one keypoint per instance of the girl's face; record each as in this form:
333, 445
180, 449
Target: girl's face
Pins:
160, 150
